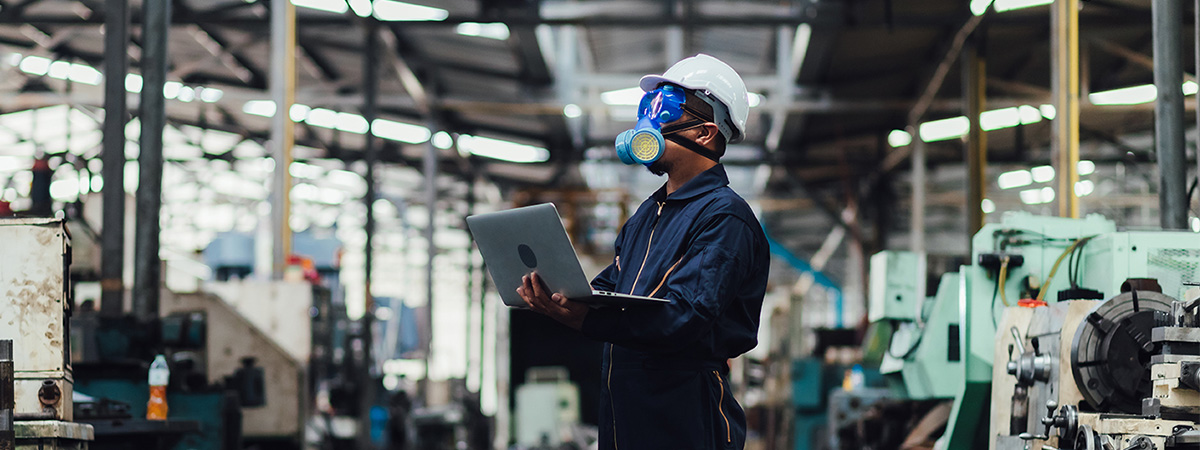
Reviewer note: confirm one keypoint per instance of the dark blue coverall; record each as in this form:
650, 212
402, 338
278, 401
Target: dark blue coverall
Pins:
665, 370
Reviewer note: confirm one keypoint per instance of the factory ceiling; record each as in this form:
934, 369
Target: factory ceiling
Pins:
833, 80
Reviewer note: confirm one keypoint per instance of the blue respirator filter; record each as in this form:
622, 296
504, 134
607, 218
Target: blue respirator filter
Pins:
644, 144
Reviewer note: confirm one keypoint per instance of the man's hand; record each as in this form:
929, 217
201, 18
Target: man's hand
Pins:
557, 307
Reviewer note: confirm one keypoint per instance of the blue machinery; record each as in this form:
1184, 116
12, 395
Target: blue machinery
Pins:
1062, 333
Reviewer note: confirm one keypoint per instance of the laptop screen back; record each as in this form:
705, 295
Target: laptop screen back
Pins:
519, 241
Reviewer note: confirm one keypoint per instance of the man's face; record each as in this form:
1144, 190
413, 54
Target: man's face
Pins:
666, 163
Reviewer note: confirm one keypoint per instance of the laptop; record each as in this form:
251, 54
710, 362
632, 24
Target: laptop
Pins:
519, 241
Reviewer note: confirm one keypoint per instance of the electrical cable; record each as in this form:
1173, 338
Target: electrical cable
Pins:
992, 305
1073, 272
1054, 268
1001, 280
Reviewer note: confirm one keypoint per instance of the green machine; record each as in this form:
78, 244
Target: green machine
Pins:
944, 346
922, 359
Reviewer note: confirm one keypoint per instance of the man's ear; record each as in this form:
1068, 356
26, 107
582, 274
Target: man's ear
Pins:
706, 134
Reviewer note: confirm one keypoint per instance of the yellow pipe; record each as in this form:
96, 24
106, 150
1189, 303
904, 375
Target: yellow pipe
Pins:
1065, 25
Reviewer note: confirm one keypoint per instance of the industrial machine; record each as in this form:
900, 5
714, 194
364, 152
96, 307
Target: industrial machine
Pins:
547, 408
36, 309
923, 359
1065, 333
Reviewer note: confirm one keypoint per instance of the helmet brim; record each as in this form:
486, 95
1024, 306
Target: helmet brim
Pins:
651, 82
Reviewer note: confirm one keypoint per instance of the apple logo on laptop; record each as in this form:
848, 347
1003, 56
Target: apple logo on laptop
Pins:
527, 256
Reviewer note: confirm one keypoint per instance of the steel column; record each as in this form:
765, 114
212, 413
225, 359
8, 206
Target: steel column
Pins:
371, 148
975, 87
112, 242
917, 221
370, 64
1064, 142
1168, 113
283, 93
429, 167
147, 282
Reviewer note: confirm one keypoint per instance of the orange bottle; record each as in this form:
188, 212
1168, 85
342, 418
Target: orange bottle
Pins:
156, 408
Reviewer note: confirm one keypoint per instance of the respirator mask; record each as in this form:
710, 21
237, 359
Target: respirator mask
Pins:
646, 142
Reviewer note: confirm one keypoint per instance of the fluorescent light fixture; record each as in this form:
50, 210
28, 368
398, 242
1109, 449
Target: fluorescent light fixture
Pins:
59, 70
1048, 111
391, 10
1031, 196
497, 31
443, 140
1029, 114
1042, 174
502, 150
333, 6
753, 99
572, 111
81, 73
298, 112
352, 123
65, 190
1085, 167
1196, 224
1016, 178
978, 7
940, 130
15, 163
1190, 87
1084, 187
265, 108
623, 97
1037, 196
14, 59
321, 117
133, 83
899, 138
35, 65
1047, 194
399, 131
210, 95
362, 8
171, 89
303, 170
1009, 5
1133, 95
999, 118
987, 206
186, 94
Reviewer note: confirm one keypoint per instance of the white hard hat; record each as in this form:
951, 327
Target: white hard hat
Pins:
709, 75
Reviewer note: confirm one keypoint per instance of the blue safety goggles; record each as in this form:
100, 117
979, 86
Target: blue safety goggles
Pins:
662, 105
646, 142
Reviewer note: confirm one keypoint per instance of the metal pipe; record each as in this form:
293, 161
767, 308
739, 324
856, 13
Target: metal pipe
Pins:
1064, 141
8, 438
371, 147
283, 93
429, 167
112, 242
975, 87
370, 61
1168, 113
917, 221
147, 271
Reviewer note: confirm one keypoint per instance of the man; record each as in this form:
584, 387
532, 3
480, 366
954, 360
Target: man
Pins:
694, 242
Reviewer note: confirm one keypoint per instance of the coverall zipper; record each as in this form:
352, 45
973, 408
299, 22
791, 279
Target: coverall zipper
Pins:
720, 401
610, 397
648, 243
631, 290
